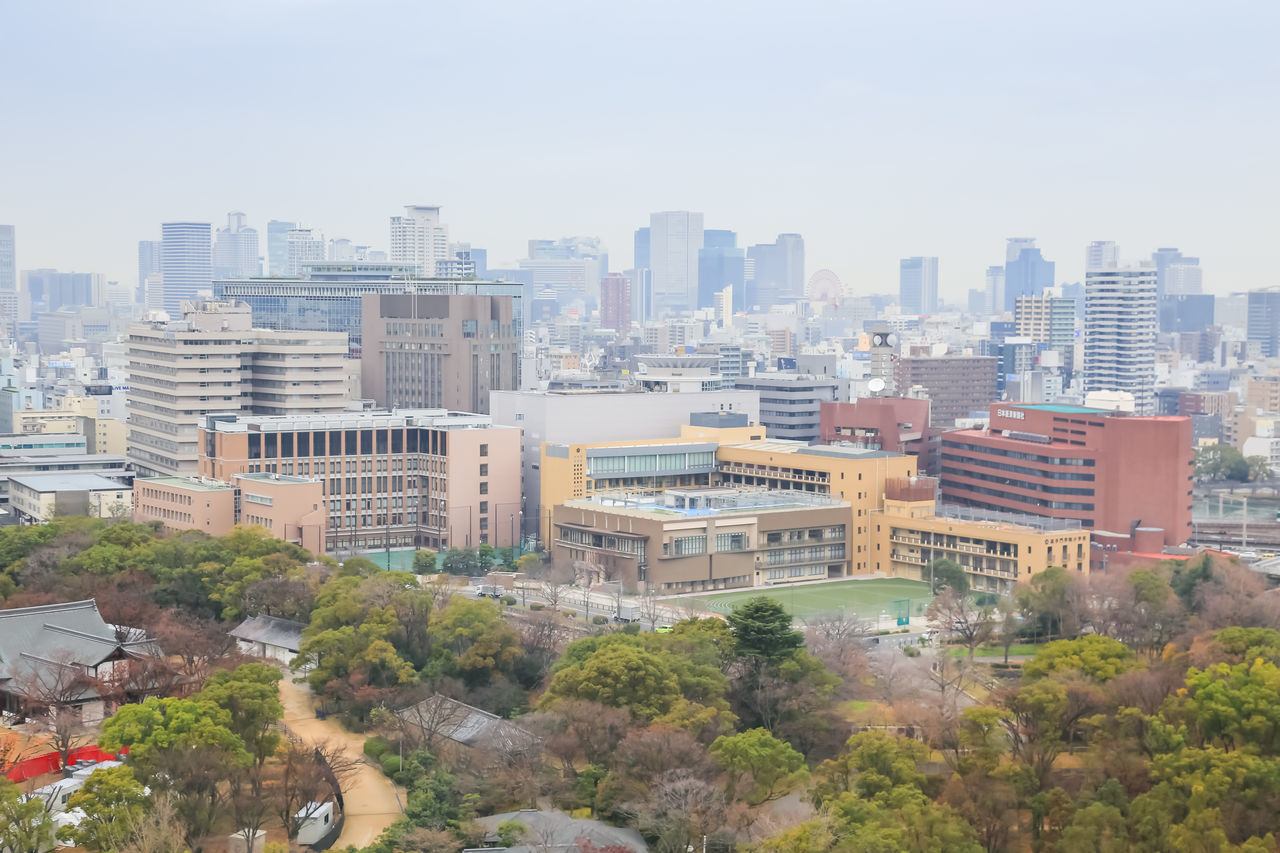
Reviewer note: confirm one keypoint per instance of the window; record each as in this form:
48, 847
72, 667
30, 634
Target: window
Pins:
686, 545
484, 487
484, 469
731, 541
484, 448
484, 507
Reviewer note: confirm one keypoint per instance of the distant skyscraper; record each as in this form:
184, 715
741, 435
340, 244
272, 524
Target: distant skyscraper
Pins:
278, 245
148, 265
186, 263
1102, 255
995, 289
642, 249
8, 280
1163, 259
1015, 245
615, 303
792, 247
1120, 323
235, 249
721, 264
419, 238
303, 247
1026, 274
918, 285
675, 238
1264, 320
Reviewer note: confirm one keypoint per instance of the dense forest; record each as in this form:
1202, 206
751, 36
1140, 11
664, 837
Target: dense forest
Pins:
1137, 711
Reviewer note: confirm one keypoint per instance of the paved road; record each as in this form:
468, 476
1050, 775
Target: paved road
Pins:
370, 797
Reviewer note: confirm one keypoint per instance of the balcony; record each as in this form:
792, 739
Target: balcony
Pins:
899, 557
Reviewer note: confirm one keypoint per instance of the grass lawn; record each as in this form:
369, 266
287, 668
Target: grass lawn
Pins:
1023, 649
865, 598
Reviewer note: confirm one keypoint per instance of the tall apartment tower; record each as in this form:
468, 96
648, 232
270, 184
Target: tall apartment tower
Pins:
419, 238
303, 247
1050, 320
186, 263
792, 248
674, 240
615, 303
995, 289
8, 281
278, 245
235, 249
1263, 320
214, 361
1102, 255
438, 351
918, 285
1120, 324
148, 266
1176, 273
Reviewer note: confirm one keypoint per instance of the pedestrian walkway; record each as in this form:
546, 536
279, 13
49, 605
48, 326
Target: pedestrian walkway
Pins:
369, 796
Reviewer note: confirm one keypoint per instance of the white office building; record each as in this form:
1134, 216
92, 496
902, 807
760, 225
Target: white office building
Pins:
303, 247
186, 264
1120, 324
1102, 255
235, 249
418, 238
674, 240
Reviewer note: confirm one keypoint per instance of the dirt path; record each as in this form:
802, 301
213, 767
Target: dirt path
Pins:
370, 797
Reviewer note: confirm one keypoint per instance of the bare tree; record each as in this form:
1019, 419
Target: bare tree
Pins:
198, 646
53, 693
839, 641
157, 829
954, 614
433, 718
555, 579
651, 610
680, 809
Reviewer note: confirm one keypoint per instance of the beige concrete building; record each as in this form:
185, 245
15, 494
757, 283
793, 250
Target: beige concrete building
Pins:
727, 457
36, 498
401, 479
213, 360
289, 508
438, 350
76, 414
996, 549
694, 540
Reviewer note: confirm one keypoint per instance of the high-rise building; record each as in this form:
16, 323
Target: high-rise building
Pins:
615, 303
1188, 276
8, 281
791, 403
438, 351
675, 238
303, 247
1264, 320
1102, 255
1014, 246
1049, 320
571, 267
995, 289
1117, 473
642, 252
214, 361
148, 266
955, 385
721, 264
918, 285
1026, 274
792, 247
235, 249
186, 263
327, 296
1120, 323
418, 237
8, 260
49, 290
278, 245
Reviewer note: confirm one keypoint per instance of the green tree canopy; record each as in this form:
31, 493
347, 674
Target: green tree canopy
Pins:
622, 676
759, 766
762, 631
113, 802
1100, 658
25, 826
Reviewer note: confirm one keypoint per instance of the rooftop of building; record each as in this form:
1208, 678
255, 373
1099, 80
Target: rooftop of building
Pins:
690, 503
266, 477
17, 457
45, 483
194, 484
781, 445
442, 419
1059, 408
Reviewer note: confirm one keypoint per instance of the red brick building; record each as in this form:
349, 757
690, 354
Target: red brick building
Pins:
1113, 472
895, 424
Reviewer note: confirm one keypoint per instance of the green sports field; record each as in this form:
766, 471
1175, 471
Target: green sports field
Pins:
867, 599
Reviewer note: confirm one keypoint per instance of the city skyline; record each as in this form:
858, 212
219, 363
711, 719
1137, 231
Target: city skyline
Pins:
840, 155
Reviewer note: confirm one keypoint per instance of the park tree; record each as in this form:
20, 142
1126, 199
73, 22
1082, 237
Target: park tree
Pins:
113, 802
1221, 462
1096, 657
948, 574
184, 745
762, 632
954, 614
1054, 600
1259, 468
250, 694
424, 562
25, 825
480, 641
759, 766
621, 676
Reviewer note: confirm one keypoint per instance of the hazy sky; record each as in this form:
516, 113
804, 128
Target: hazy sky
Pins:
878, 130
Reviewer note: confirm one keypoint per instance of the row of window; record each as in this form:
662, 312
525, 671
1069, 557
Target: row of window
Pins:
351, 442
1020, 484
1013, 454
796, 572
